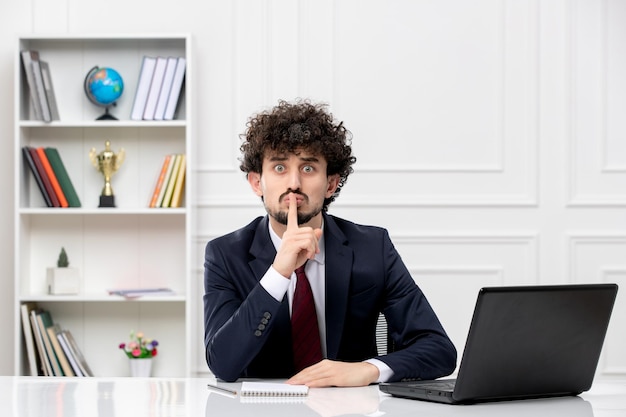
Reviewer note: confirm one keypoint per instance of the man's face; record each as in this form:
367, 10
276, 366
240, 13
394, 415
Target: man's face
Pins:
300, 173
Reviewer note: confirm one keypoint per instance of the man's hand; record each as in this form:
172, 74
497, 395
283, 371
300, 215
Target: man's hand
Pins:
298, 243
329, 373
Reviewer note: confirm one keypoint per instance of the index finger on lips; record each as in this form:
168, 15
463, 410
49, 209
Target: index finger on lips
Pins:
292, 214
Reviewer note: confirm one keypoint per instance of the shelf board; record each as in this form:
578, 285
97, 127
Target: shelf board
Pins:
107, 37
103, 123
48, 211
105, 298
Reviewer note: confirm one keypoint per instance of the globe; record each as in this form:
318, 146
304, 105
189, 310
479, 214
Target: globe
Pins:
103, 87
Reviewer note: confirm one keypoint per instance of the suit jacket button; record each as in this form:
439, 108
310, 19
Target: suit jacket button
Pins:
265, 321
267, 315
258, 333
261, 327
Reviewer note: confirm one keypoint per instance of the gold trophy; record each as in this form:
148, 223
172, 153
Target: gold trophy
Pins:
107, 162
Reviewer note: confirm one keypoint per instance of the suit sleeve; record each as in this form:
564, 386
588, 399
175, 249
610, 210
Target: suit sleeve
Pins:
423, 349
236, 325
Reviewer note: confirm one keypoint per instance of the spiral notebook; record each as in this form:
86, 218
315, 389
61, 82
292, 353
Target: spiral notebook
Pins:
272, 389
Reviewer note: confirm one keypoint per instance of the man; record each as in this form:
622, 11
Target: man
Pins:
297, 159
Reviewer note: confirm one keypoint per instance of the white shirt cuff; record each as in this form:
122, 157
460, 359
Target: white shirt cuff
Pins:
385, 372
275, 284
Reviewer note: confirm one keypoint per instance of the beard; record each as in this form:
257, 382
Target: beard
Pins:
303, 217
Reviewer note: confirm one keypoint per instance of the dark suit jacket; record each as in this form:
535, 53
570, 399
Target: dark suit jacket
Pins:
248, 332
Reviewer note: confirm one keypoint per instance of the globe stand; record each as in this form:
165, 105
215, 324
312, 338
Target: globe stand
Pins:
107, 115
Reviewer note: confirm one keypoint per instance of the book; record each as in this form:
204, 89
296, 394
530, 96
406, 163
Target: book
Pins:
140, 292
160, 180
31, 164
52, 177
168, 174
44, 177
44, 320
64, 359
155, 88
41, 90
34, 364
272, 389
27, 64
49, 90
77, 353
41, 349
143, 87
180, 182
166, 87
62, 176
71, 359
171, 182
175, 91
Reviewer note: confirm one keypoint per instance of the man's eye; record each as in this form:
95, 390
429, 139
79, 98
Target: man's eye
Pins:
279, 168
308, 169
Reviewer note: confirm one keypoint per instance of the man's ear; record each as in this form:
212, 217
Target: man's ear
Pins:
333, 183
254, 179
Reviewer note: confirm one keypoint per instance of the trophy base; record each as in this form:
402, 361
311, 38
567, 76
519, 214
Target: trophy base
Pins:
107, 201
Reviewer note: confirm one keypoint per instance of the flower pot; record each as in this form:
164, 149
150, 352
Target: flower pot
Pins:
140, 367
63, 281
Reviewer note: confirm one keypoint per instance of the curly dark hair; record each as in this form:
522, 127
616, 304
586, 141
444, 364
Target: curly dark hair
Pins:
301, 125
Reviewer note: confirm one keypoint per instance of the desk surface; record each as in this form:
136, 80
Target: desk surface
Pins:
138, 397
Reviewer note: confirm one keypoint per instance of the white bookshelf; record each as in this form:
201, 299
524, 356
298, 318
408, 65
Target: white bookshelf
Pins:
130, 245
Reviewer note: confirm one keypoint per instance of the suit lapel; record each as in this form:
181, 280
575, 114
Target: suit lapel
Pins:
338, 271
262, 249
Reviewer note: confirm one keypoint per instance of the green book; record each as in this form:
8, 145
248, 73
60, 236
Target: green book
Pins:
64, 179
44, 319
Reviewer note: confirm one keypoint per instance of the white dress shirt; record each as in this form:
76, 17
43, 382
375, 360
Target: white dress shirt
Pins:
277, 285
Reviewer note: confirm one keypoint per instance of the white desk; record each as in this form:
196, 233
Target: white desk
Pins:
160, 397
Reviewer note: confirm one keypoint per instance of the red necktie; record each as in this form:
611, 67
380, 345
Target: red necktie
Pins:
307, 349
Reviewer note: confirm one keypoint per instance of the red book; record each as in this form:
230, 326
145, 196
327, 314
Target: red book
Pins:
52, 176
44, 177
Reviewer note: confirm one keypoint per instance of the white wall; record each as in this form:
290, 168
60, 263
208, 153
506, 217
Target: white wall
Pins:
489, 133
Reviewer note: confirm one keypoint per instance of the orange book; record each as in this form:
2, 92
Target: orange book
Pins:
53, 178
160, 181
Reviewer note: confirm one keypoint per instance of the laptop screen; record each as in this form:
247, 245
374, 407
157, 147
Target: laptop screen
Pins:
534, 341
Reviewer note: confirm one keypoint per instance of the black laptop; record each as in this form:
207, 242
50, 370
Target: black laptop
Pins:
525, 342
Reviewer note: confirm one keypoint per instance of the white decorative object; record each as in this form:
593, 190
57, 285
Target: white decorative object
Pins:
140, 367
63, 281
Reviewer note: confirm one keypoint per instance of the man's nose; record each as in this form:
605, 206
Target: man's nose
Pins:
294, 180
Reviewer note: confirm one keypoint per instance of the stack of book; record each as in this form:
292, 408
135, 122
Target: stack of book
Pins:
51, 176
159, 88
39, 82
169, 187
51, 350
132, 293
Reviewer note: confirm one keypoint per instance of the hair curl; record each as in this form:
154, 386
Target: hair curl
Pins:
302, 125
